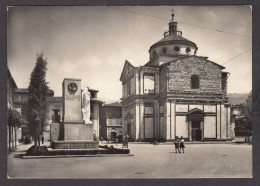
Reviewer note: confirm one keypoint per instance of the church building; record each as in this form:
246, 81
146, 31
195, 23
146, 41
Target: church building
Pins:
176, 93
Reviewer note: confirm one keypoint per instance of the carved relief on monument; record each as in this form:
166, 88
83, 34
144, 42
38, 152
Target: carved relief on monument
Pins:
72, 94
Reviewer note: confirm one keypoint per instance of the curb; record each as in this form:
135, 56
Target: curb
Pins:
71, 156
171, 143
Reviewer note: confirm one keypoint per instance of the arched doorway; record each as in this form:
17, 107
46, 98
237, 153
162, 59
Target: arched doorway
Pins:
195, 117
113, 134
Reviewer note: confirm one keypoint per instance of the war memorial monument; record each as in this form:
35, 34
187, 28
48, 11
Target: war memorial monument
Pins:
76, 129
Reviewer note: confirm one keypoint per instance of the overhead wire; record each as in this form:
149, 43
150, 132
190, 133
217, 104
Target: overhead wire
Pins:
236, 56
217, 30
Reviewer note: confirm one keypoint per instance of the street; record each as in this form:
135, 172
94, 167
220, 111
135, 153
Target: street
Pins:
149, 161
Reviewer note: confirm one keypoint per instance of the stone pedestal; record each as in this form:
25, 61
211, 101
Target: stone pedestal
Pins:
81, 144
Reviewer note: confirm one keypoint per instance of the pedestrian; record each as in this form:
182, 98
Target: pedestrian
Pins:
177, 144
101, 139
126, 140
182, 146
42, 140
155, 142
116, 141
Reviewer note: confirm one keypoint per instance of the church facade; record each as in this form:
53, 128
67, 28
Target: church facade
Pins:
176, 93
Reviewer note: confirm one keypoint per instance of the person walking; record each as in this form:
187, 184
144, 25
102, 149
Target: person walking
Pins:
177, 144
116, 141
182, 146
126, 139
124, 142
42, 139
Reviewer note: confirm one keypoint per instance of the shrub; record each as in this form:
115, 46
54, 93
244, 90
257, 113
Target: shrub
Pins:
37, 151
103, 146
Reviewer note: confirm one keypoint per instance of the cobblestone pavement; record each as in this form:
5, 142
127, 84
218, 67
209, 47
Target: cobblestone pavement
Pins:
149, 161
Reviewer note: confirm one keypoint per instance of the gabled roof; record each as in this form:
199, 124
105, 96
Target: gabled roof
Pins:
126, 69
11, 78
195, 111
193, 56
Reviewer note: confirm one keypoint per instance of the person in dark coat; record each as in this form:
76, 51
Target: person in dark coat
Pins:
182, 146
42, 140
116, 141
126, 140
177, 144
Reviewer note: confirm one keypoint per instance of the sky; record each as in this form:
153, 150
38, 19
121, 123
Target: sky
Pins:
92, 43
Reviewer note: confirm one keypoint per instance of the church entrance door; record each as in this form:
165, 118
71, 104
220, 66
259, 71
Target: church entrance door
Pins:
113, 136
196, 131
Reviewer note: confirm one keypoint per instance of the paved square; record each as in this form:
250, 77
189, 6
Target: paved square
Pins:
160, 161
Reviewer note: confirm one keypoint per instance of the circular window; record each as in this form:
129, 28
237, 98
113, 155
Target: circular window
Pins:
176, 49
164, 50
188, 50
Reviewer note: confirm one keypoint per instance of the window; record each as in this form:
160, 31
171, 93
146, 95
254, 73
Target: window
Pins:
154, 53
164, 50
149, 84
129, 87
176, 49
195, 82
188, 50
148, 110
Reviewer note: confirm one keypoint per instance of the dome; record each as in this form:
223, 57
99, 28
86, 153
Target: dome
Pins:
173, 39
173, 43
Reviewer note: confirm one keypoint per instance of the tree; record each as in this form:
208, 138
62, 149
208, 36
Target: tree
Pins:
247, 108
15, 119
244, 120
37, 107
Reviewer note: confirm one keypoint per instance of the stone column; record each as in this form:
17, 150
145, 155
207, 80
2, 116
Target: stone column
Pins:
141, 123
190, 130
168, 120
137, 121
173, 120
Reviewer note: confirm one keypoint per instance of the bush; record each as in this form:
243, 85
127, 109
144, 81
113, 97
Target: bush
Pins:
37, 151
43, 151
103, 146
116, 151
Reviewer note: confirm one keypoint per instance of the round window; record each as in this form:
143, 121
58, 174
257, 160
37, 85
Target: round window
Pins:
188, 50
164, 50
176, 49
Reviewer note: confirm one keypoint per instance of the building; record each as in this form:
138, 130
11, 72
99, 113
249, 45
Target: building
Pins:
176, 93
13, 133
111, 121
11, 86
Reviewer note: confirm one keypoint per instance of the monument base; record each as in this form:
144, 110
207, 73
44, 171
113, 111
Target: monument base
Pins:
77, 131
71, 144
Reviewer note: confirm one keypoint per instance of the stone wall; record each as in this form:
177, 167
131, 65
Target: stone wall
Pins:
209, 74
163, 81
